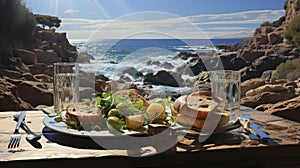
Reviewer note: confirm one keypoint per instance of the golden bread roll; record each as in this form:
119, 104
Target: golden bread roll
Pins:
199, 123
196, 105
83, 113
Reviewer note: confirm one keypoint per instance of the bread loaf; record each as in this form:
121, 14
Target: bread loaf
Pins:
83, 113
193, 110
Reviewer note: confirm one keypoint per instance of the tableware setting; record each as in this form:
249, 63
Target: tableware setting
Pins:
124, 113
15, 138
127, 113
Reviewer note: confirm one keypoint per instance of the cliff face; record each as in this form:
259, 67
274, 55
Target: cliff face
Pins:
290, 10
271, 38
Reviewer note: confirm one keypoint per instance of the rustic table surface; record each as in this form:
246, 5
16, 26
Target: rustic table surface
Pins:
229, 149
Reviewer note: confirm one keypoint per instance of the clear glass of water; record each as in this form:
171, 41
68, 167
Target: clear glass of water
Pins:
66, 85
226, 90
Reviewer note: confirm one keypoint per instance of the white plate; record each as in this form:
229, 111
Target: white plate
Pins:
62, 128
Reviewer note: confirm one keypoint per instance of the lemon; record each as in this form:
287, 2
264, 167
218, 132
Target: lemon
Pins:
134, 122
156, 111
114, 123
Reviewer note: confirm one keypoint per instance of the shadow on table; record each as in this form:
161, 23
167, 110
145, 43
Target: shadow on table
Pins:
137, 142
68, 140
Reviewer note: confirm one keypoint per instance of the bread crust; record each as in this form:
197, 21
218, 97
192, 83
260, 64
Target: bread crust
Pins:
191, 106
193, 110
83, 113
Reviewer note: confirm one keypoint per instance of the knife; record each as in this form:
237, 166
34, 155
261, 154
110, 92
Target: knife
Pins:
249, 131
255, 128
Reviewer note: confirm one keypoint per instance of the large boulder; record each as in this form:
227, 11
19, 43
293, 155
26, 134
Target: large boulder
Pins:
266, 97
269, 93
266, 88
84, 58
289, 109
267, 63
251, 84
26, 56
164, 78
46, 57
249, 55
9, 98
41, 69
35, 93
274, 38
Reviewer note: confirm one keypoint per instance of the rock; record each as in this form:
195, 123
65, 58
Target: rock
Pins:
59, 43
268, 74
27, 57
130, 71
9, 98
84, 58
266, 88
100, 85
11, 74
274, 38
35, 93
192, 69
249, 55
201, 81
187, 55
101, 77
164, 78
289, 109
46, 57
41, 69
43, 78
267, 63
251, 84
167, 65
290, 11
266, 97
27, 76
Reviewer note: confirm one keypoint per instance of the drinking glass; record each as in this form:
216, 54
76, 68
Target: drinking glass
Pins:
226, 91
66, 85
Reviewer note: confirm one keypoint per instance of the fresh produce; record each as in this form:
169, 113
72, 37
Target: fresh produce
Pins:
114, 123
125, 109
156, 111
134, 122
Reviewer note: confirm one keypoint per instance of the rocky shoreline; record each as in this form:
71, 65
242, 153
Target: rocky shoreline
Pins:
27, 82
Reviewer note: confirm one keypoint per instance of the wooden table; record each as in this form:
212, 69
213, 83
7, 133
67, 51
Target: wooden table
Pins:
223, 150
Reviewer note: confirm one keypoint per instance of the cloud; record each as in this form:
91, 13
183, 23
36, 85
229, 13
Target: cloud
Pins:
71, 11
228, 25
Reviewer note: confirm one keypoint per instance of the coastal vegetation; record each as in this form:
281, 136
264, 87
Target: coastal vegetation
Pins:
46, 20
289, 70
292, 32
276, 23
18, 23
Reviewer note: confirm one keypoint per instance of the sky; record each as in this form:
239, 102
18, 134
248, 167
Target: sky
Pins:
183, 19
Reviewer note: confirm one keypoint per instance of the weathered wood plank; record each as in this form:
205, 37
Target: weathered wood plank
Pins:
55, 145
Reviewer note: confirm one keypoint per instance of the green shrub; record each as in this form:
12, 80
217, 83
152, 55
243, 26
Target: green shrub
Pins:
297, 5
265, 24
278, 22
292, 32
17, 22
285, 5
288, 70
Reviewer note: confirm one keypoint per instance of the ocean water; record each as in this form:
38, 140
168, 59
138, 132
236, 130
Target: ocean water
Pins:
113, 56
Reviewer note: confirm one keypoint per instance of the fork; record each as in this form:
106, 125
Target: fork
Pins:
15, 138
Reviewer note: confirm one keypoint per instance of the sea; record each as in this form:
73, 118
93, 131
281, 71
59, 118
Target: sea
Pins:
146, 55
